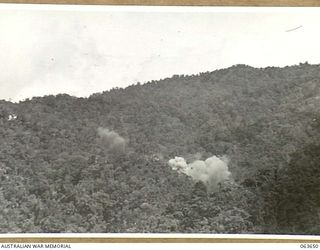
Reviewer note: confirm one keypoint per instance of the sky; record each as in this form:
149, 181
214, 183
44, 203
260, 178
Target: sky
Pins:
82, 50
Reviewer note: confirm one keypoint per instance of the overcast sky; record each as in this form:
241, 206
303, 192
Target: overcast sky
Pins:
51, 50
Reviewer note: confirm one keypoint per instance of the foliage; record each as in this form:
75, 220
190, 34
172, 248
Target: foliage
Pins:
57, 175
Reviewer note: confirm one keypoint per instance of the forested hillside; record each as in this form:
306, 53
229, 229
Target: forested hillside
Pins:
100, 164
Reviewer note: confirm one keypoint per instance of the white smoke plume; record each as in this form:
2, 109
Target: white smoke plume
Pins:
178, 164
112, 140
211, 172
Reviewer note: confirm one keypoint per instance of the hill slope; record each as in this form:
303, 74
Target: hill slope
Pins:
58, 175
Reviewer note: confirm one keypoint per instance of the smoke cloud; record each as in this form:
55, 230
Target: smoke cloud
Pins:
112, 140
178, 164
211, 172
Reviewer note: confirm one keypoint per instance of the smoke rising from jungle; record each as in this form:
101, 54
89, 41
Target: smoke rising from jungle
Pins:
211, 172
111, 140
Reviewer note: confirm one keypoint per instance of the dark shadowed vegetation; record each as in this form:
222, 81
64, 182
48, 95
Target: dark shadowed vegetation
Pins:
100, 164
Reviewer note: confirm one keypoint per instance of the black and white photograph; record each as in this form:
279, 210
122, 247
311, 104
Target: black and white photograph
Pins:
174, 120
